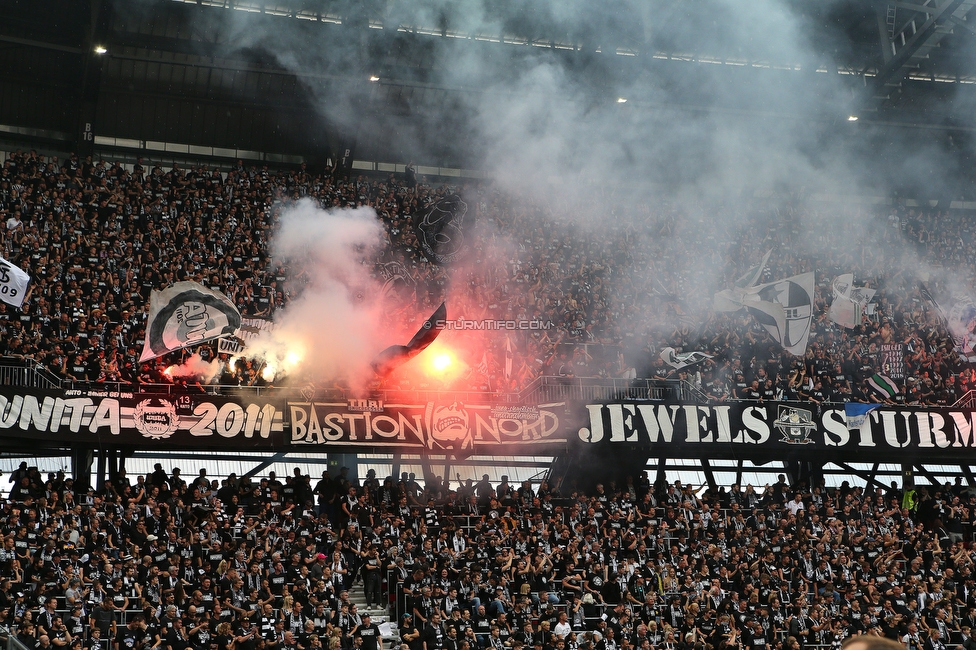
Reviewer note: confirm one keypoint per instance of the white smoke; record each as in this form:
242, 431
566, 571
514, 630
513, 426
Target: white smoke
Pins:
196, 368
331, 330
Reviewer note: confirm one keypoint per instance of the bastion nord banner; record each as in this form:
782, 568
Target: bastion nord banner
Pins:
432, 425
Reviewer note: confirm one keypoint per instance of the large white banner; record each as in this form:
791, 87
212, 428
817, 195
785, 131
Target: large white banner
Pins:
187, 314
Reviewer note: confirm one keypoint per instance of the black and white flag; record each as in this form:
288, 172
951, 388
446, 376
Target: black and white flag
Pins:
959, 320
784, 308
442, 229
679, 360
187, 314
250, 329
13, 283
849, 301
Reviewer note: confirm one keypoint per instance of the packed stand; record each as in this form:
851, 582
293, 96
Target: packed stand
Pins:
620, 275
248, 563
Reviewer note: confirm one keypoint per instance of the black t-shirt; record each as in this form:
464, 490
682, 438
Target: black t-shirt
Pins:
177, 641
755, 640
103, 619
200, 638
28, 642
129, 639
370, 635
416, 644
252, 642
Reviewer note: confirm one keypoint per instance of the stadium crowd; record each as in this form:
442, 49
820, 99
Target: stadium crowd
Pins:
263, 564
97, 238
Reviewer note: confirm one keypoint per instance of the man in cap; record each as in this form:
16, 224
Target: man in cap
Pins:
409, 634
369, 632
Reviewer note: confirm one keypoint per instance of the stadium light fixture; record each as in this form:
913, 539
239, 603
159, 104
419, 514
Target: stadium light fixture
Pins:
621, 100
852, 118
99, 49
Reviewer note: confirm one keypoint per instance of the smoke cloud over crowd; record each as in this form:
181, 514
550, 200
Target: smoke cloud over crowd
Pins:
537, 115
724, 102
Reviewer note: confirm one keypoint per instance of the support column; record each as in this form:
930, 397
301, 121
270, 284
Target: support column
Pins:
395, 471
112, 463
81, 466
100, 471
709, 474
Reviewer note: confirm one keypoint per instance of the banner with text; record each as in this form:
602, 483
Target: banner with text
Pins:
431, 425
250, 329
893, 360
440, 424
117, 418
770, 430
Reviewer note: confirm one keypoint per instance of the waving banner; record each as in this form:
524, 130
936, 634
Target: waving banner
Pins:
849, 301
961, 321
396, 278
731, 299
783, 308
679, 360
187, 314
250, 329
441, 230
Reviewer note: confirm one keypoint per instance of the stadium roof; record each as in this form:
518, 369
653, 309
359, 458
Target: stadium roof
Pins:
309, 77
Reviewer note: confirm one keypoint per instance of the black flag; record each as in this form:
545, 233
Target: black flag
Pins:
396, 355
441, 230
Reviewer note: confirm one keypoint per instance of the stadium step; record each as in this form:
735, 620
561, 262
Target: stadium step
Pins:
379, 614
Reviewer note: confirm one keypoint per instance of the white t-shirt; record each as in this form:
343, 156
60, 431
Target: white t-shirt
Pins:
562, 630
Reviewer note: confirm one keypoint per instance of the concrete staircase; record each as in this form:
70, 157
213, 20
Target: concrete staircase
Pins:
379, 614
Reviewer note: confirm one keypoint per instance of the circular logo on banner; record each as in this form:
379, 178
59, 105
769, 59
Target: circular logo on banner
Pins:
448, 426
156, 422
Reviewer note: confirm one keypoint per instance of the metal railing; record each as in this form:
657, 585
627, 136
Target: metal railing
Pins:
555, 389
967, 401
9, 641
546, 389
27, 373
31, 374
